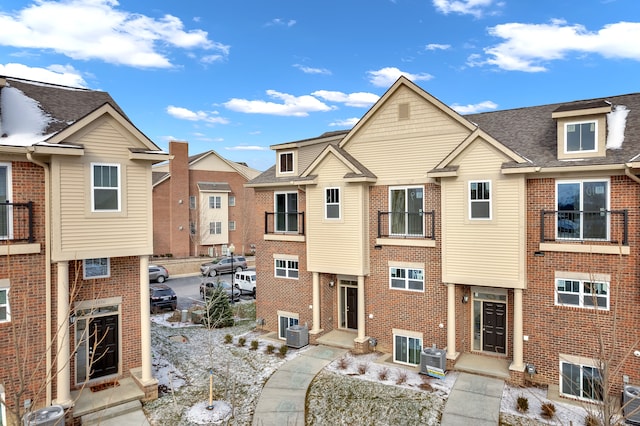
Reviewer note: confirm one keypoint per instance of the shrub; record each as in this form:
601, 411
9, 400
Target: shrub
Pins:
283, 350
592, 420
548, 410
228, 338
254, 345
522, 404
217, 310
426, 385
242, 341
270, 349
402, 377
383, 374
344, 362
363, 368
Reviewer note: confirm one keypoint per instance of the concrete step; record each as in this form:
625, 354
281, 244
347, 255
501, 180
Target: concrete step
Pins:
99, 417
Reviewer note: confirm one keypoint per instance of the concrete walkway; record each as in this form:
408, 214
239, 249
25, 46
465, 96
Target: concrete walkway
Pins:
474, 400
282, 400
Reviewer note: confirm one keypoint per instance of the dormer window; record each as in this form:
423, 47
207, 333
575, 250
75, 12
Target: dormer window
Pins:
581, 136
286, 162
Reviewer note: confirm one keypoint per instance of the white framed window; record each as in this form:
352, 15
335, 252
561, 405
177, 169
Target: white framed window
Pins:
5, 309
581, 136
286, 320
215, 202
582, 209
580, 381
192, 202
285, 268
582, 293
232, 225
232, 200
6, 211
406, 349
332, 203
285, 160
286, 211
215, 228
406, 207
406, 278
105, 187
96, 268
480, 199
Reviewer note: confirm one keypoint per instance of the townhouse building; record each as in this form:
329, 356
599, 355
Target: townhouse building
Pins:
200, 204
508, 236
75, 239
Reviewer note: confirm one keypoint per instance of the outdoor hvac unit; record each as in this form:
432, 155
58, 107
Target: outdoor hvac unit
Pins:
297, 336
631, 404
49, 416
433, 361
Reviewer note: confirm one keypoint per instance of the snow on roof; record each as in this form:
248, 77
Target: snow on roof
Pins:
616, 122
22, 122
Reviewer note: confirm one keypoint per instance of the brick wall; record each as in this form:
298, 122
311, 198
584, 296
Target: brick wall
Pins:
579, 331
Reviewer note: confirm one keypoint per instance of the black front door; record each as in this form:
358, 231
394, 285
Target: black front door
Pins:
352, 307
494, 323
103, 346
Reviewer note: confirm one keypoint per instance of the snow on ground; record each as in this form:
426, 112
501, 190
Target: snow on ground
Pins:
355, 390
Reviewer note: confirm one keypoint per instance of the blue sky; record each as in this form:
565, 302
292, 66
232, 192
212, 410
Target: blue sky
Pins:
241, 75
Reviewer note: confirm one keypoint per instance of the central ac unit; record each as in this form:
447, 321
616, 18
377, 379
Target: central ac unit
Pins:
631, 404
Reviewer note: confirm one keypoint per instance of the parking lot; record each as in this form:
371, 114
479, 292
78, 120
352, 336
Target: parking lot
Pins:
188, 289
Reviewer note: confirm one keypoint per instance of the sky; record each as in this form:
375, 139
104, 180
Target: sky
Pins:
240, 76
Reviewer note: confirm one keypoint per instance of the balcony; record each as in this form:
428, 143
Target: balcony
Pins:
284, 223
405, 225
607, 227
16, 223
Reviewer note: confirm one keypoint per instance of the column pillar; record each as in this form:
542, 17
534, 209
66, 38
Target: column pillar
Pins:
518, 356
451, 321
63, 362
316, 303
361, 305
145, 320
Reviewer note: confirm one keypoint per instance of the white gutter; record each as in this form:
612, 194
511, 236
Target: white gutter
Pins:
47, 248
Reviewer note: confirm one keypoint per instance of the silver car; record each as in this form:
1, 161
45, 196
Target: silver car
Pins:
208, 287
224, 265
158, 273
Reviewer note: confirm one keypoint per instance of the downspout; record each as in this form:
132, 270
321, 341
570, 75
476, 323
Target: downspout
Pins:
627, 172
47, 249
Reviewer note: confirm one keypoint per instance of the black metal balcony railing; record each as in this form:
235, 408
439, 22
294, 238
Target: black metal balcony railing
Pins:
16, 222
284, 223
604, 225
407, 225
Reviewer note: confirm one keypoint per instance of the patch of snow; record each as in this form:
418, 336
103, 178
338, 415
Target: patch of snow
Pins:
203, 414
616, 123
22, 120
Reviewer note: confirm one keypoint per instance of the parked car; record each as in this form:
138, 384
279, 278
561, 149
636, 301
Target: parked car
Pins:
207, 288
223, 265
162, 297
158, 273
245, 281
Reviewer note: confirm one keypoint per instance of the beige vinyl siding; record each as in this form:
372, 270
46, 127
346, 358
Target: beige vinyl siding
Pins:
307, 154
336, 246
212, 162
208, 215
417, 144
79, 233
484, 252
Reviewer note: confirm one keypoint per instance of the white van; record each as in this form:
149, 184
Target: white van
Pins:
245, 281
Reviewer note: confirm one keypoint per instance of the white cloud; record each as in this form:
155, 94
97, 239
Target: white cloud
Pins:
347, 123
474, 108
64, 75
385, 77
527, 47
246, 148
186, 114
475, 8
96, 29
296, 106
310, 70
358, 99
436, 46
280, 23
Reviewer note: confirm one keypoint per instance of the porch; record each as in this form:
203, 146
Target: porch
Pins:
483, 365
95, 407
338, 339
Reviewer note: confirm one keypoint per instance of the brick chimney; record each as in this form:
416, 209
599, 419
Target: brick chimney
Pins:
179, 198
